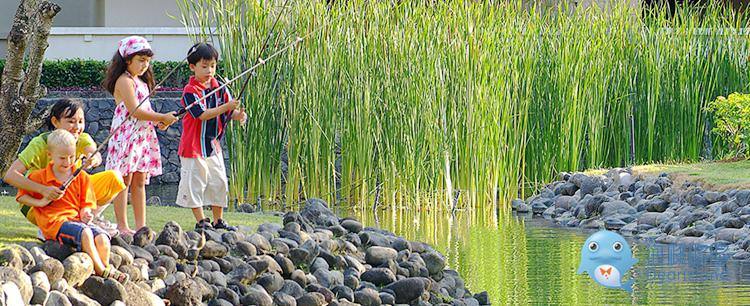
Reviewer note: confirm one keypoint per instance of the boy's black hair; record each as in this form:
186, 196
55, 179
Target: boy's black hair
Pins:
202, 51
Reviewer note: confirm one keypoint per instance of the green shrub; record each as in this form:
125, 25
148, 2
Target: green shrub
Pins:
732, 121
61, 74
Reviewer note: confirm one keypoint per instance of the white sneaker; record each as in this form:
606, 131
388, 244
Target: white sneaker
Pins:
108, 227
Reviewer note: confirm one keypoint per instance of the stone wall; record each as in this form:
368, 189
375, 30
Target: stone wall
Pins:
99, 108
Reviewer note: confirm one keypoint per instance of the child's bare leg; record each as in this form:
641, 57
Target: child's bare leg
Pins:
218, 212
138, 198
103, 247
87, 245
121, 206
198, 213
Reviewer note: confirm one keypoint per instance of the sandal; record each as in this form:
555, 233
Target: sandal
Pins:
119, 276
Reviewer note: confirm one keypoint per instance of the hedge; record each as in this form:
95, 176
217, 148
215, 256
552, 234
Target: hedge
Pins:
85, 74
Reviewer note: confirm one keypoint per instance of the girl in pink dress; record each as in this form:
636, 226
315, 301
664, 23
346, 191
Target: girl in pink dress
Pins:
133, 149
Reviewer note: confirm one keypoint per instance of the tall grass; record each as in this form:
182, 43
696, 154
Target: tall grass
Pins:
464, 102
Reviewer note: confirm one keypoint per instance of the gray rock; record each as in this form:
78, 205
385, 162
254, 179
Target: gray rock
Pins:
271, 282
324, 278
229, 295
657, 205
57, 250
317, 212
379, 255
281, 299
143, 236
21, 281
292, 289
40, 295
653, 218
319, 263
139, 252
367, 297
742, 197
17, 256
172, 236
693, 217
523, 208
565, 202
616, 207
286, 264
614, 224
166, 250
125, 255
378, 276
246, 248
104, 291
39, 280
213, 249
256, 295
78, 299
261, 243
311, 299
56, 298
592, 224
434, 262
343, 292
353, 226
138, 295
731, 234
184, 292
11, 295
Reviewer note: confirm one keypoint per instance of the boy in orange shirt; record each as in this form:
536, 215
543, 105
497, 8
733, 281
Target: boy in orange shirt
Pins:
66, 219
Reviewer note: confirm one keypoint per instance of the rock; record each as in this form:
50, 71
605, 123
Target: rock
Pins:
56, 298
104, 291
167, 251
343, 292
483, 298
219, 302
377, 256
311, 299
229, 295
18, 257
20, 279
731, 234
653, 218
378, 276
434, 262
246, 248
261, 243
172, 236
317, 212
613, 224
184, 292
39, 280
353, 226
138, 296
652, 189
57, 250
367, 297
741, 255
78, 299
39, 296
387, 298
592, 224
60, 285
292, 289
213, 249
271, 282
324, 278
125, 255
10, 294
38, 254
657, 205
168, 263
286, 264
713, 197
256, 295
742, 197
139, 252
143, 236
566, 189
522, 208
281, 299
693, 217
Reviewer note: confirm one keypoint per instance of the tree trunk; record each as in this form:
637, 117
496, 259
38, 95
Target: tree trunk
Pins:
20, 89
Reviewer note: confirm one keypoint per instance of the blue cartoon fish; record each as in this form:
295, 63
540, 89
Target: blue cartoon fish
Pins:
606, 257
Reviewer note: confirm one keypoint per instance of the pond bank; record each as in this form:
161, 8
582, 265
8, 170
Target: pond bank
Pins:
649, 207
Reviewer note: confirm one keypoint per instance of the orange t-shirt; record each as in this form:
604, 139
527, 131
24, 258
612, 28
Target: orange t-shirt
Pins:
77, 196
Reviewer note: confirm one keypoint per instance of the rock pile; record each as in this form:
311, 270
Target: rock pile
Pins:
647, 207
314, 258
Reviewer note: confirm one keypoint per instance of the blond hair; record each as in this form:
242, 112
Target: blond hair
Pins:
60, 138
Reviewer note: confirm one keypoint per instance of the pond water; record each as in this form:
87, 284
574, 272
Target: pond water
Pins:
524, 260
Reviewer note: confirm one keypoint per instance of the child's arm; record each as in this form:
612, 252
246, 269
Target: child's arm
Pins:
239, 115
32, 201
124, 89
216, 111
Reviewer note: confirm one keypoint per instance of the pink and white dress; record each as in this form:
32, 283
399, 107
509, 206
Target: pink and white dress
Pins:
134, 146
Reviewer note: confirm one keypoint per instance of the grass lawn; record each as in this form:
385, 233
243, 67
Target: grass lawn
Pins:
718, 176
14, 228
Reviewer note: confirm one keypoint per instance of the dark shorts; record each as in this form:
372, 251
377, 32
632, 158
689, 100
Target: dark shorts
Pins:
70, 233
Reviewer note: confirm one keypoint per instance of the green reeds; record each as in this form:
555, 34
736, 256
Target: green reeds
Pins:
464, 103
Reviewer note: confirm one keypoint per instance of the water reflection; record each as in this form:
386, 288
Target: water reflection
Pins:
529, 261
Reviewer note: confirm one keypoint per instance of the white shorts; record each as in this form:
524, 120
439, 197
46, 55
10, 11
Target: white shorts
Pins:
203, 182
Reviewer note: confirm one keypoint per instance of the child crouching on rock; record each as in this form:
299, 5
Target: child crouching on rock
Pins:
203, 178
66, 219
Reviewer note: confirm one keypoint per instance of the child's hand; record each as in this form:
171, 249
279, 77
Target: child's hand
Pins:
86, 215
232, 105
52, 193
168, 119
93, 161
240, 115
161, 126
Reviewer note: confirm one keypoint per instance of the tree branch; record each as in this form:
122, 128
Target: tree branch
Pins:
17, 39
42, 24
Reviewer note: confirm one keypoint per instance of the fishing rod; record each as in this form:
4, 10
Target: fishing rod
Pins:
130, 114
262, 61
